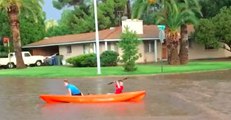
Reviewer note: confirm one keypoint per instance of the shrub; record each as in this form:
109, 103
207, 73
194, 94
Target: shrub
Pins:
86, 60
90, 60
129, 45
109, 58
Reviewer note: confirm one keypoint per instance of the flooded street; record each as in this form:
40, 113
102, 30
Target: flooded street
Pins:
198, 96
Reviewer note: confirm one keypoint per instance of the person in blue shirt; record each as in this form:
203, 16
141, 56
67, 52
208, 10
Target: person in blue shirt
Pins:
72, 89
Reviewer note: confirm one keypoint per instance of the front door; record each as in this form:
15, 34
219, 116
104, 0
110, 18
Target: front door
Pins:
164, 51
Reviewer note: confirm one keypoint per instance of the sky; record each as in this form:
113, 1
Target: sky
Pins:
51, 12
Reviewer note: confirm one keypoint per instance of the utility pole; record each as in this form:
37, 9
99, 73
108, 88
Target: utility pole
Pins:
97, 39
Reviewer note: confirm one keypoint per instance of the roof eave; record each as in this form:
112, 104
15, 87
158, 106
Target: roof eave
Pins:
71, 43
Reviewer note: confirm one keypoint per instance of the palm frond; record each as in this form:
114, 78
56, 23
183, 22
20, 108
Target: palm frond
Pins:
142, 7
174, 14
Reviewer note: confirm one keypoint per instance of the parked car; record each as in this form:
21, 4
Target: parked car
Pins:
28, 59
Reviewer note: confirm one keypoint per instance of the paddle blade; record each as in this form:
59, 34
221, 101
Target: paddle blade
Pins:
117, 80
110, 83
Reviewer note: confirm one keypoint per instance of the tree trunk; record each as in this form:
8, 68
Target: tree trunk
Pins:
13, 12
173, 58
183, 54
128, 9
172, 41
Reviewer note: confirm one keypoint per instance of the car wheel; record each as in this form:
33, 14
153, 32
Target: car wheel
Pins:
10, 65
38, 63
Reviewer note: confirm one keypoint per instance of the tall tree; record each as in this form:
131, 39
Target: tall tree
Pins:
32, 29
50, 23
77, 20
113, 10
117, 7
143, 8
190, 5
13, 8
205, 33
62, 26
4, 26
59, 4
173, 15
4, 31
215, 32
211, 7
222, 23
80, 18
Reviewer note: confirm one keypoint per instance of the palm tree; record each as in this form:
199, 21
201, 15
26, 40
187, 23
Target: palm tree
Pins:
194, 6
142, 7
173, 15
13, 8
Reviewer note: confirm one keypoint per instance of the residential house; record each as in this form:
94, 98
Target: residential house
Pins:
150, 49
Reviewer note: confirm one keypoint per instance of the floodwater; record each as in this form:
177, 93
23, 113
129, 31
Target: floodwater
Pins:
198, 96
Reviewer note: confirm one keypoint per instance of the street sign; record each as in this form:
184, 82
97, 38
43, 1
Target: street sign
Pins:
161, 36
161, 32
161, 27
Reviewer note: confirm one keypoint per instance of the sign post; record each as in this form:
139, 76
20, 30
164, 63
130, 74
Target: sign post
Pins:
161, 37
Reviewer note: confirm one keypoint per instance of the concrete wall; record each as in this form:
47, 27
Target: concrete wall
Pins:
76, 50
197, 51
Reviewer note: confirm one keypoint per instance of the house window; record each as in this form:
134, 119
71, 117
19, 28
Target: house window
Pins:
113, 46
69, 50
148, 46
88, 48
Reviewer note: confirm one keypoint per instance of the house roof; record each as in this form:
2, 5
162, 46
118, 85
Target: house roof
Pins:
113, 34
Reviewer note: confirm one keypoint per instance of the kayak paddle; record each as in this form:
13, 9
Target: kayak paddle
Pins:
117, 80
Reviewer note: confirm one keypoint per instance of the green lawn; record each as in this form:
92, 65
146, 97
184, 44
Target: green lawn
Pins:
67, 71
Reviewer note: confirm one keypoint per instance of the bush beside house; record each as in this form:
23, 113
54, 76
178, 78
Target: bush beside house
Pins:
108, 58
86, 60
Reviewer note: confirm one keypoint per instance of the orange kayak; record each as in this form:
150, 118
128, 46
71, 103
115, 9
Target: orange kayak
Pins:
100, 98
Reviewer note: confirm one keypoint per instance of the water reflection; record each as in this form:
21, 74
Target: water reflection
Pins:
83, 111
